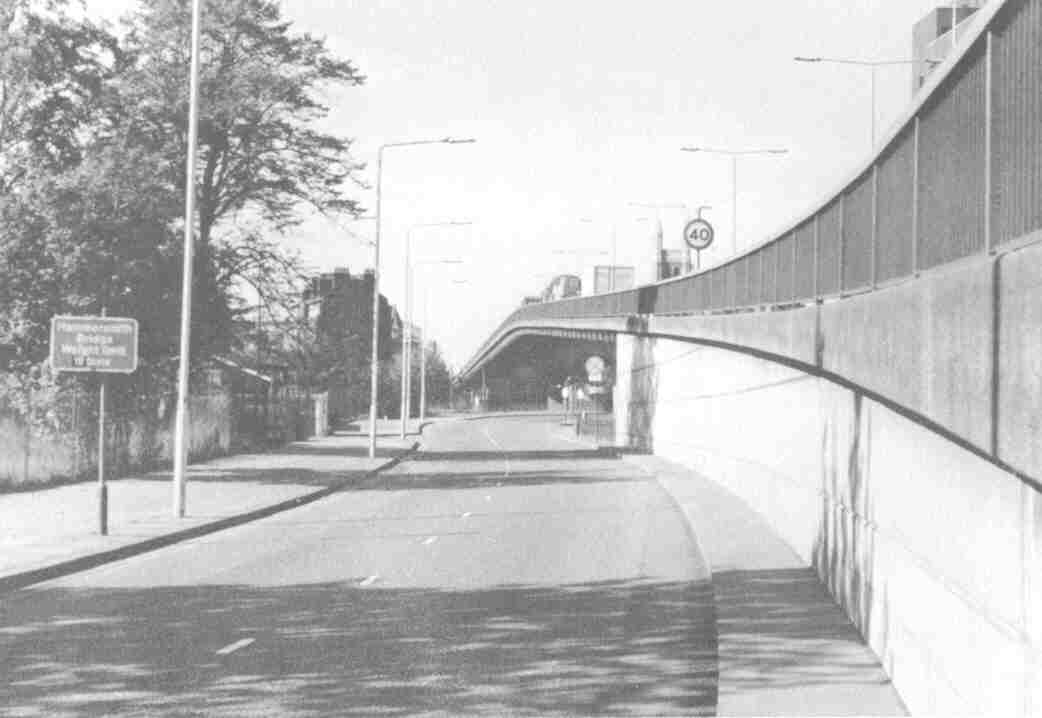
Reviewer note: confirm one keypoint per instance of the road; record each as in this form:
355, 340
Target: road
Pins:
505, 570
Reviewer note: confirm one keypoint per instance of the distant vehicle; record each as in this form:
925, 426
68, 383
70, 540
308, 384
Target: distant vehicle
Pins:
531, 300
561, 287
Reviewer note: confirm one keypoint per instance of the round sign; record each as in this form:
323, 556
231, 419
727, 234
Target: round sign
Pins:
698, 234
595, 369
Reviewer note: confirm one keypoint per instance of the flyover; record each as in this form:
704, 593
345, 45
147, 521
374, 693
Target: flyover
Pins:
870, 379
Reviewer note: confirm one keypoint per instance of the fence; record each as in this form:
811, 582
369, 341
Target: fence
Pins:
56, 440
960, 176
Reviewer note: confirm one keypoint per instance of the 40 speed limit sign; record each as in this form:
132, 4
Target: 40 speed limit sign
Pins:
698, 234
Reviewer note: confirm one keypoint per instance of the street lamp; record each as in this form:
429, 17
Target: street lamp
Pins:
375, 363
407, 329
423, 335
734, 155
181, 421
872, 65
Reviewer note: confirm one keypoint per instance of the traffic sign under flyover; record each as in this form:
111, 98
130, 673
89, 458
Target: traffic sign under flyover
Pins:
94, 344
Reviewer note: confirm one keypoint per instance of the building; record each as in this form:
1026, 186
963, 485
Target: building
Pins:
608, 278
673, 263
934, 37
337, 309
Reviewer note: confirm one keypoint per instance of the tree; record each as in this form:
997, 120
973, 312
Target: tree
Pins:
52, 72
260, 99
438, 376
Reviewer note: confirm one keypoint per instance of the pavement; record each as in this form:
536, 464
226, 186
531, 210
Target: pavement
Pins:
784, 646
53, 531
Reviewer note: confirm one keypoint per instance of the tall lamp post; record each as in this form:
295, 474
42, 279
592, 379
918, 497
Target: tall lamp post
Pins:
734, 155
872, 65
407, 331
423, 335
375, 361
181, 422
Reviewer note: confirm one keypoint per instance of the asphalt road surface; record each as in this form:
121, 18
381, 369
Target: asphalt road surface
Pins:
506, 570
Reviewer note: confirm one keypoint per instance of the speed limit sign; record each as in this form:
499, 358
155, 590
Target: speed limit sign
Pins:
698, 234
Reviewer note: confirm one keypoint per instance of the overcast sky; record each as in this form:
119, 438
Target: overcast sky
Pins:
579, 108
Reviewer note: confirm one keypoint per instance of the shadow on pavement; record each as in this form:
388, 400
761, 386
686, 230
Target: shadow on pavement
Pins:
344, 451
611, 648
437, 480
783, 631
537, 455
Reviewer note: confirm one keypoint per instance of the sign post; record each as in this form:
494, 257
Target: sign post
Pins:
97, 345
698, 234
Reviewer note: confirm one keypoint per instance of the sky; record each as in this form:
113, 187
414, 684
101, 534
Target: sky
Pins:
579, 109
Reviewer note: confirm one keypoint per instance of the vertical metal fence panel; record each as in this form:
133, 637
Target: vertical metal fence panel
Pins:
803, 279
629, 302
689, 299
705, 292
828, 249
952, 165
894, 243
785, 268
752, 282
769, 273
719, 288
857, 234
1017, 96
741, 289
666, 298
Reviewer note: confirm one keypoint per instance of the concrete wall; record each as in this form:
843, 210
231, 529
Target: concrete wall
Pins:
960, 347
934, 551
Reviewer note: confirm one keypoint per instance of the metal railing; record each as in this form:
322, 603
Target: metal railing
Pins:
960, 175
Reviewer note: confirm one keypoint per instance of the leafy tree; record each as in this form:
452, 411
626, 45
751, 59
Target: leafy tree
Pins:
52, 72
260, 99
438, 376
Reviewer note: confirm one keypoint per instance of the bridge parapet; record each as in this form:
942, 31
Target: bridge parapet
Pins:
956, 178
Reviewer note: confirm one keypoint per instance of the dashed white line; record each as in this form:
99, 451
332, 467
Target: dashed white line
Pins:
466, 515
232, 647
499, 447
370, 581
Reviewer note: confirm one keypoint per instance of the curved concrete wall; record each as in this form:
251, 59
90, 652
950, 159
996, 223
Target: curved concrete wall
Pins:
960, 347
933, 550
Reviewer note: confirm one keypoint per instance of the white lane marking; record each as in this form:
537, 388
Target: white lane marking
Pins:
499, 447
370, 581
429, 540
232, 647
466, 515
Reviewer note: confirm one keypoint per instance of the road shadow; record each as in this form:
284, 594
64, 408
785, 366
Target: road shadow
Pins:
361, 451
535, 455
609, 648
484, 479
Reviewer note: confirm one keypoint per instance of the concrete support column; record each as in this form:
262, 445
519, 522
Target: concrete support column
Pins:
634, 397
622, 392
